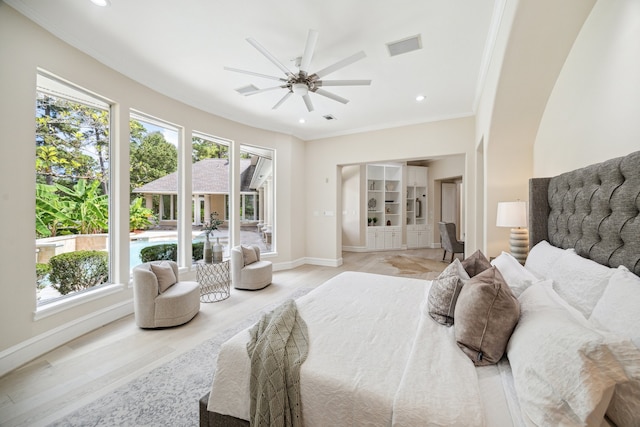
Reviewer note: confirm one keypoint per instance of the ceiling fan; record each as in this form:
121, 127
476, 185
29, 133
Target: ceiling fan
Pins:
303, 82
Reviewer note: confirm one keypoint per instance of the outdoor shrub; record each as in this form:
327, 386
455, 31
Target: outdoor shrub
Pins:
197, 251
41, 273
140, 218
164, 251
75, 271
169, 251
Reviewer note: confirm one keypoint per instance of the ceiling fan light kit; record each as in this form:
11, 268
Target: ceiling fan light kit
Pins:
301, 83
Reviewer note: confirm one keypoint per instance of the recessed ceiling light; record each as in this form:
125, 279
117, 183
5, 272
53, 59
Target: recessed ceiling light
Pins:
301, 121
101, 3
420, 98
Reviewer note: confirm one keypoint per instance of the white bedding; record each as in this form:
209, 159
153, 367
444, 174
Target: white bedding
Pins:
369, 362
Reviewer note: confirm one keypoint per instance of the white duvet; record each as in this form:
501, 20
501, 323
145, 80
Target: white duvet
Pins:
371, 360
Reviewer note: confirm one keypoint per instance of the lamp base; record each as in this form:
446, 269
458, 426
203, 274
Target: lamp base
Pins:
519, 241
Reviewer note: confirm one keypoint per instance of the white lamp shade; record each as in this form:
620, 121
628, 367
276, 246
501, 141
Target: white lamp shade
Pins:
512, 214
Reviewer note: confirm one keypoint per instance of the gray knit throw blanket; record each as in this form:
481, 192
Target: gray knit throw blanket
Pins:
279, 345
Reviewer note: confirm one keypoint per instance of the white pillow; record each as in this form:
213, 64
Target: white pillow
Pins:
517, 277
579, 281
564, 372
165, 275
618, 310
541, 258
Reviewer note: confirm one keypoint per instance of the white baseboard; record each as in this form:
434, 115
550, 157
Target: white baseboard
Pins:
288, 265
324, 262
18, 355
355, 249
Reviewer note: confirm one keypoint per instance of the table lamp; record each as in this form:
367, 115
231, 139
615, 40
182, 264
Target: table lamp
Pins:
514, 215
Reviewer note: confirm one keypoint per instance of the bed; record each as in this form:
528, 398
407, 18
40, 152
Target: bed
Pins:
560, 346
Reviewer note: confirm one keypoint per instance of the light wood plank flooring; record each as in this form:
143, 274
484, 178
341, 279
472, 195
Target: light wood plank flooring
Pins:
88, 367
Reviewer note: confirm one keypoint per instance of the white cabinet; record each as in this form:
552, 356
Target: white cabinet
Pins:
416, 176
393, 238
416, 203
376, 238
384, 206
417, 236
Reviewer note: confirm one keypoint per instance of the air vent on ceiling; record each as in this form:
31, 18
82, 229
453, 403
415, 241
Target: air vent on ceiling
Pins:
246, 89
405, 45
329, 117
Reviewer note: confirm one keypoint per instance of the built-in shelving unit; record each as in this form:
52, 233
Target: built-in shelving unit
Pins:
384, 206
416, 207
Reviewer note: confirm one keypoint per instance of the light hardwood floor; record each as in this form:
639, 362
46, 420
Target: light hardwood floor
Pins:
88, 367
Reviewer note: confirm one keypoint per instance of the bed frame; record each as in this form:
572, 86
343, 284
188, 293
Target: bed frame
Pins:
595, 210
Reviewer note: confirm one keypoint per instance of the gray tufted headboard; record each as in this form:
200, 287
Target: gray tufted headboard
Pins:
595, 210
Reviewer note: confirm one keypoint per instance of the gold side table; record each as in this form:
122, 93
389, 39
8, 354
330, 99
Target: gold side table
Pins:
214, 280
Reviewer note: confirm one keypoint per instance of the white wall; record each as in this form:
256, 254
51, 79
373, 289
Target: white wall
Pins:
532, 43
593, 113
324, 157
23, 48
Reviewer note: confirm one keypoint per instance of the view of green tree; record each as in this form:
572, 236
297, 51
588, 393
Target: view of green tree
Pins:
203, 149
72, 142
151, 158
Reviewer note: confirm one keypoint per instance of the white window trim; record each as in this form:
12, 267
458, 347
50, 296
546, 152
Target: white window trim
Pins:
55, 307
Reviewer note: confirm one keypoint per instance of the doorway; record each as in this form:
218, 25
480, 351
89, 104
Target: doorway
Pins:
451, 204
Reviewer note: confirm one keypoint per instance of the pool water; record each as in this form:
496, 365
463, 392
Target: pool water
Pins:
137, 245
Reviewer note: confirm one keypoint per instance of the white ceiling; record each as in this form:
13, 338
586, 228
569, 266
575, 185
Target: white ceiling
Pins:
179, 48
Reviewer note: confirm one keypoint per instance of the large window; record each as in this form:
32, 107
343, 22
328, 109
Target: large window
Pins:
257, 207
72, 190
153, 178
210, 175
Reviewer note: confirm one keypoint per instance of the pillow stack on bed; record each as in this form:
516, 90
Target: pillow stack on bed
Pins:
474, 297
568, 370
570, 328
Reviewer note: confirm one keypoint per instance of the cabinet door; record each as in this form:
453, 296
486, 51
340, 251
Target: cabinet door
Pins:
423, 237
393, 239
412, 239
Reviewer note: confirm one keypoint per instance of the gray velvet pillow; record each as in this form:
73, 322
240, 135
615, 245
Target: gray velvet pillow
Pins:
486, 314
476, 263
444, 293
165, 275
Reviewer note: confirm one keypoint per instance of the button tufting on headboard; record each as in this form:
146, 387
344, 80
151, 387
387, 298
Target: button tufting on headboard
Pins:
595, 210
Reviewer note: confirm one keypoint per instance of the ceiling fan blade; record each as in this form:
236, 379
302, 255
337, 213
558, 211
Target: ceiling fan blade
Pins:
251, 73
253, 92
340, 64
331, 95
309, 48
284, 98
307, 101
269, 56
342, 82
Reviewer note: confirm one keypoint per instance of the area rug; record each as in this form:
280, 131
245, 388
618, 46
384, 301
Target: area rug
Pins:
167, 395
413, 266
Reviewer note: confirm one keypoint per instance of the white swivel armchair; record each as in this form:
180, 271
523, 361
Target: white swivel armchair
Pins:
248, 271
159, 299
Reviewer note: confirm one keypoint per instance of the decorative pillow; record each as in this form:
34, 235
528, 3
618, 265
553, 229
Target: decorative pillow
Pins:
444, 292
541, 258
579, 281
486, 313
248, 255
517, 277
476, 263
564, 372
165, 275
618, 310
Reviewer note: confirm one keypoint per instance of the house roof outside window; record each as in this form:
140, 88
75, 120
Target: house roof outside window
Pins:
210, 176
